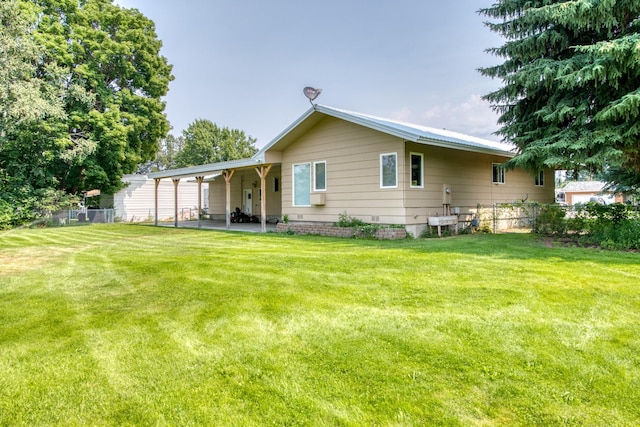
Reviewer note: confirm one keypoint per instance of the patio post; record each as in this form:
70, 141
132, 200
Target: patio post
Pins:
157, 181
200, 179
227, 179
176, 181
263, 171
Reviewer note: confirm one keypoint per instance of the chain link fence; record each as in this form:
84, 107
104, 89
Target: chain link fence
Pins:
99, 216
522, 217
507, 217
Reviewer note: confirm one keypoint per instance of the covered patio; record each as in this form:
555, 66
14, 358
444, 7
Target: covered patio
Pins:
256, 166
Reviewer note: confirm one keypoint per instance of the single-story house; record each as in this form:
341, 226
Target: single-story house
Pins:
135, 202
331, 162
575, 192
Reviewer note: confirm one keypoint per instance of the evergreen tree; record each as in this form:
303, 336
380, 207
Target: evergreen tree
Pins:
571, 93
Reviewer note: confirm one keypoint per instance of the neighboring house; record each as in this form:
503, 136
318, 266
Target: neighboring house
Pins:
135, 202
332, 161
575, 192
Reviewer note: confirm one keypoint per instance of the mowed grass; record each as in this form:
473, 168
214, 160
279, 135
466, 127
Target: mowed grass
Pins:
138, 325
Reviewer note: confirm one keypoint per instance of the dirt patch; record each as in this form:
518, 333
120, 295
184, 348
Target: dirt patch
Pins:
573, 242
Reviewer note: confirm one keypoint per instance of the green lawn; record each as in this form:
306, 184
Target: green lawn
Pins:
138, 325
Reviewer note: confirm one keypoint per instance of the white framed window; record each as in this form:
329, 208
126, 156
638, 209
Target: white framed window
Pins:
498, 173
276, 184
320, 176
417, 170
302, 184
389, 170
540, 179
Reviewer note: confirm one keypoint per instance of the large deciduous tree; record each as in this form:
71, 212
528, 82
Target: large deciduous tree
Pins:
205, 142
24, 97
571, 74
115, 115
168, 149
31, 105
81, 93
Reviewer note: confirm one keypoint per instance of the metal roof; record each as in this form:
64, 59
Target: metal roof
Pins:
419, 133
407, 131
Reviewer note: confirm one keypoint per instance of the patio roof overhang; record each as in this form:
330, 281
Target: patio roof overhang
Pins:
208, 169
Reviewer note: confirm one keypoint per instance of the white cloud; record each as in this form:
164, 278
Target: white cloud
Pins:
403, 115
472, 116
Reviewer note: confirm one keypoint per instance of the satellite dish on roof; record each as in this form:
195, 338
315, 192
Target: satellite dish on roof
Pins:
311, 93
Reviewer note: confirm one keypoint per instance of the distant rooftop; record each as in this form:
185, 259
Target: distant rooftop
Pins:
583, 186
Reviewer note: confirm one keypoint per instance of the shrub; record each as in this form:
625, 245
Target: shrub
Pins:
612, 226
362, 229
550, 220
347, 221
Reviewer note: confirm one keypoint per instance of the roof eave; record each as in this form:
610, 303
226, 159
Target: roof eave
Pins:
471, 148
207, 169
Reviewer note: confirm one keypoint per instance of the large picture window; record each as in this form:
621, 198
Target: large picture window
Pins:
302, 184
417, 173
498, 174
389, 170
319, 176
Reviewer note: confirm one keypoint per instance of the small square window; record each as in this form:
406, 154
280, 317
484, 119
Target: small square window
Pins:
498, 174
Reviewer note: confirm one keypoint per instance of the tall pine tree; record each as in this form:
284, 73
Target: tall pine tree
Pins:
571, 74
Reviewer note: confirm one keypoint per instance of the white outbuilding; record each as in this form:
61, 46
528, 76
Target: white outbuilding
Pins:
135, 202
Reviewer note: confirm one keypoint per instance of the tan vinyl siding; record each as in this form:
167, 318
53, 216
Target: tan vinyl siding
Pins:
469, 175
352, 155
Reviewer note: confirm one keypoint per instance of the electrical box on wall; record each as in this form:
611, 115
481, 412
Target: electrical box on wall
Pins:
446, 194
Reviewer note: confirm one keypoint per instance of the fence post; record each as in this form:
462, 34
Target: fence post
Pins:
495, 218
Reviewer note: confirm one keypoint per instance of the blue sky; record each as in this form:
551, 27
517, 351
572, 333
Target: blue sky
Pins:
243, 63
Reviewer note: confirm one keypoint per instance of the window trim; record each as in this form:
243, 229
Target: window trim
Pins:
315, 176
421, 155
293, 184
501, 174
539, 180
382, 186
